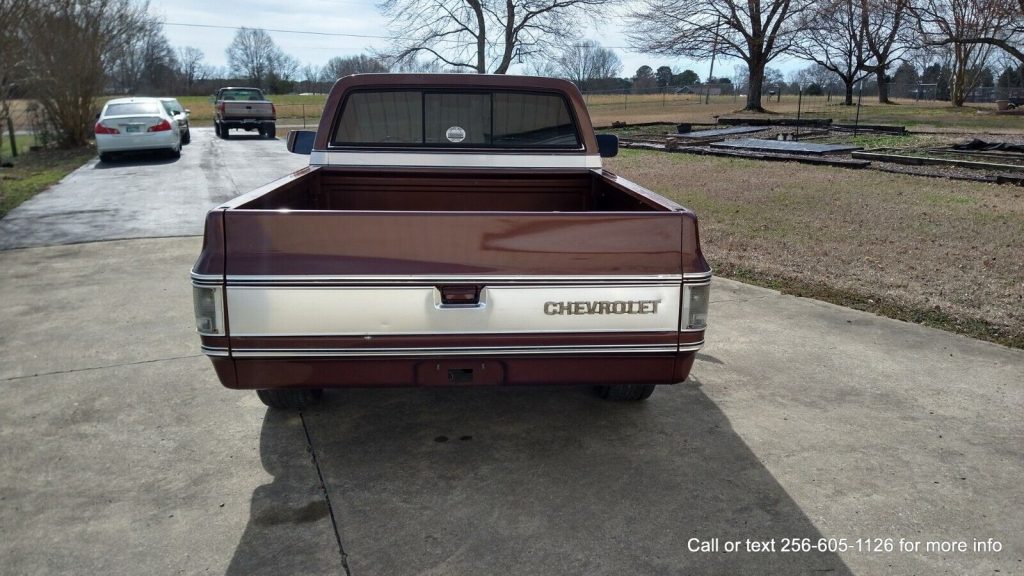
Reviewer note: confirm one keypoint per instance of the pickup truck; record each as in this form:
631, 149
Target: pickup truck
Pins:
450, 230
243, 108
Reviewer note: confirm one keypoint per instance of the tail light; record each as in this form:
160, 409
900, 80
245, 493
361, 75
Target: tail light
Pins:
209, 309
221, 107
273, 109
101, 129
161, 126
695, 306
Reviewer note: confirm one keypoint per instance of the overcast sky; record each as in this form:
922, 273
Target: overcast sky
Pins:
356, 17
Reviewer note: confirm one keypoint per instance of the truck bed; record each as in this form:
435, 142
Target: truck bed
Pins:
440, 191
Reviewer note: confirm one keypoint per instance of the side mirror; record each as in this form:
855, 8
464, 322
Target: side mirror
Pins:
301, 141
188, 112
608, 145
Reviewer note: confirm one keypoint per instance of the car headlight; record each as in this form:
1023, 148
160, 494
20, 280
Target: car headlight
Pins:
696, 302
209, 310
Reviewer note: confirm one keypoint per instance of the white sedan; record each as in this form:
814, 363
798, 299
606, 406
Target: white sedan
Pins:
132, 124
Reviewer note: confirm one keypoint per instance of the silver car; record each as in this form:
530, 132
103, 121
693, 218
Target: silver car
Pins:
181, 114
133, 124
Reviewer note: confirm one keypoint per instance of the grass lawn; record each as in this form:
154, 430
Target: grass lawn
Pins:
943, 253
924, 116
22, 140
36, 171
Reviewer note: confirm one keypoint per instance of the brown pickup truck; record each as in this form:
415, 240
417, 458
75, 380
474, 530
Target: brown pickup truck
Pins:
243, 109
451, 230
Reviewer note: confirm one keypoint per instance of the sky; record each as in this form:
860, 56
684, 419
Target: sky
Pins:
356, 17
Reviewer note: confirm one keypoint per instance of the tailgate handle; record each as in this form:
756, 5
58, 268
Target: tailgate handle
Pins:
452, 296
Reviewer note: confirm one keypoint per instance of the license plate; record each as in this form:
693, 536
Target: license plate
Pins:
132, 128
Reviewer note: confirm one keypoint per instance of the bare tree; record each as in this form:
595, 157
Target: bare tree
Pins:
587, 61
958, 23
887, 32
833, 38
145, 61
543, 67
191, 67
360, 64
253, 55
937, 20
12, 20
70, 45
754, 31
482, 35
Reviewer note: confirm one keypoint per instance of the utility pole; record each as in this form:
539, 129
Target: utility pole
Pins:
711, 71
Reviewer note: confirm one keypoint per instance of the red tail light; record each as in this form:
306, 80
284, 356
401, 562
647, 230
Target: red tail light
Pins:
162, 126
101, 129
221, 107
273, 110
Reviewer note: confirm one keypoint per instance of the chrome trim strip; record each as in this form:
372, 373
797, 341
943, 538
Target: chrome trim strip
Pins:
697, 276
453, 160
216, 351
435, 352
691, 346
205, 280
267, 311
433, 280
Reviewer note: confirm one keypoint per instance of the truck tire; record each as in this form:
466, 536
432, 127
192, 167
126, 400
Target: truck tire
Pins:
216, 129
224, 132
271, 131
626, 392
290, 398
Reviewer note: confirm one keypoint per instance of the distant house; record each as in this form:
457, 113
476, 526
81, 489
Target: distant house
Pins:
699, 89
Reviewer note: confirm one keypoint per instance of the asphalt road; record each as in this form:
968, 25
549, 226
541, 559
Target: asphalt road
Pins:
121, 454
147, 195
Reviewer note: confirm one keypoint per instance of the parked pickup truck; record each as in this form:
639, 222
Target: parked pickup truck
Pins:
243, 108
451, 230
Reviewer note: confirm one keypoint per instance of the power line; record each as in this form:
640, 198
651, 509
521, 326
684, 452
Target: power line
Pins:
307, 32
340, 34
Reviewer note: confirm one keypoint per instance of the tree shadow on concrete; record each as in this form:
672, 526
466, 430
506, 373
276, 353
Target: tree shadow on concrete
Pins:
289, 529
548, 481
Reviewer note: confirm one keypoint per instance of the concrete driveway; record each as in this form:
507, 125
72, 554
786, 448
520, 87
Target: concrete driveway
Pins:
121, 454
146, 195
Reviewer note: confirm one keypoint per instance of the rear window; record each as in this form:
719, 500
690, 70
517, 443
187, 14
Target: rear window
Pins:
456, 119
132, 108
241, 95
172, 107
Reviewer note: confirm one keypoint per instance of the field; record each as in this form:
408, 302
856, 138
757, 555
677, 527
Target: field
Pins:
921, 116
605, 109
928, 250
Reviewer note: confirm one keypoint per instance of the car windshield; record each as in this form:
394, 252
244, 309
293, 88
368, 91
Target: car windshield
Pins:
129, 108
499, 119
241, 94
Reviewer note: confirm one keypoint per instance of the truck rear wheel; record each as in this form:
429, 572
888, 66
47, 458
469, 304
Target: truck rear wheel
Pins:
290, 399
626, 392
216, 129
271, 131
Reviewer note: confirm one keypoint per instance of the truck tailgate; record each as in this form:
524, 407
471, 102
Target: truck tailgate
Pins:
375, 283
247, 109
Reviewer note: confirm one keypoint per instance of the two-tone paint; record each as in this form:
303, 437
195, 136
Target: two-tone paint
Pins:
324, 280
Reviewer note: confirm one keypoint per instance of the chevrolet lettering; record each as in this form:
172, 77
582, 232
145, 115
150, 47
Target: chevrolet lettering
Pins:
450, 230
602, 307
